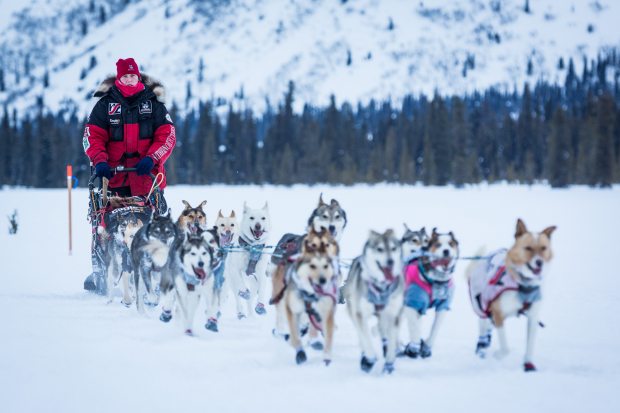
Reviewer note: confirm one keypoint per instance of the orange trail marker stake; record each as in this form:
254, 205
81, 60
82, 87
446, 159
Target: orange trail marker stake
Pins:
69, 185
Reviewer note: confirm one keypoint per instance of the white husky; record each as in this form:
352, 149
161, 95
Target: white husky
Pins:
247, 263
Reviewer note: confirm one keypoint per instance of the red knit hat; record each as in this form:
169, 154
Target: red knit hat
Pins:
126, 66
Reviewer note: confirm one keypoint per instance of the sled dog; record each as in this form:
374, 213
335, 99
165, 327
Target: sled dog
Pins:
415, 243
375, 287
149, 253
312, 292
118, 259
508, 283
331, 218
192, 219
428, 284
225, 233
311, 243
188, 277
248, 264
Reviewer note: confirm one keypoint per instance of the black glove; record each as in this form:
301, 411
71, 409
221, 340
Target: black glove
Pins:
144, 166
102, 169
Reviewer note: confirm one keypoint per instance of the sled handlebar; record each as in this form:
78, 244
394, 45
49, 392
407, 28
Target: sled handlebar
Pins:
118, 169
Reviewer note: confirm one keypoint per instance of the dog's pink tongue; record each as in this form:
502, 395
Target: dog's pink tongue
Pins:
443, 262
226, 238
200, 273
257, 233
387, 273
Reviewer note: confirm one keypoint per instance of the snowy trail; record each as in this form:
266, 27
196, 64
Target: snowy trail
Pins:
62, 349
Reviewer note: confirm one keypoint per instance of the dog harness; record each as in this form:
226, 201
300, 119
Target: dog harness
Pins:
491, 279
437, 294
309, 299
255, 250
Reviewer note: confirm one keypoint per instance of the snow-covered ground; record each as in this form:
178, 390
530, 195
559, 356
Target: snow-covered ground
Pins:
64, 350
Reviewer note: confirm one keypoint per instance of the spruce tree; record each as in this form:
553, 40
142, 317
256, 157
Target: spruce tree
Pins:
559, 155
604, 150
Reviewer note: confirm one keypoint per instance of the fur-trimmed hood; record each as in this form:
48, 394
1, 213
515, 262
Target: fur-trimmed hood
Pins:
155, 85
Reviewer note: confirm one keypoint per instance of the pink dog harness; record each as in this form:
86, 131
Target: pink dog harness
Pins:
488, 281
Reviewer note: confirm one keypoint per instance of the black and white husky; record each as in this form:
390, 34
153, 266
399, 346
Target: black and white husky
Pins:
225, 232
118, 260
428, 280
375, 287
188, 277
149, 253
330, 217
247, 265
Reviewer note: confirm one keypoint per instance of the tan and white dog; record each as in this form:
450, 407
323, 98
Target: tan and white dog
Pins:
312, 291
507, 283
312, 242
429, 285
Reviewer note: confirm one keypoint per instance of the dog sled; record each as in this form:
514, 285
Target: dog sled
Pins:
108, 215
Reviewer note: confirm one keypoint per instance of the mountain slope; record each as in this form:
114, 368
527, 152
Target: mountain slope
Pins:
250, 49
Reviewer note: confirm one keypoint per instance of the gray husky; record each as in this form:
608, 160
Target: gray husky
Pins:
149, 254
375, 287
330, 217
188, 276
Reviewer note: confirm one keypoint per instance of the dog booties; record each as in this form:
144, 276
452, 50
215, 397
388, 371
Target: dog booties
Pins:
422, 294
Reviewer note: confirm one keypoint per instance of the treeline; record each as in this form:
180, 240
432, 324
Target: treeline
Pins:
563, 134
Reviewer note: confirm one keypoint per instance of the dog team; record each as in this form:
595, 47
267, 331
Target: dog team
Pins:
395, 280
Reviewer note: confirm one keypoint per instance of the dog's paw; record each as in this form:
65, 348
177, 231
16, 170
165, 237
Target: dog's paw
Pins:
304, 330
277, 334
241, 316
388, 368
412, 350
384, 346
212, 325
260, 309
327, 362
484, 342
300, 357
425, 350
165, 316
500, 354
529, 366
245, 294
366, 364
189, 332
127, 304
316, 344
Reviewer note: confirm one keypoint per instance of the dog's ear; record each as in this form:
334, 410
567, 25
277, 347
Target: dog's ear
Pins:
373, 234
334, 203
219, 214
232, 214
187, 205
406, 227
549, 230
169, 212
266, 206
203, 203
434, 232
423, 230
245, 206
453, 237
389, 233
321, 202
521, 229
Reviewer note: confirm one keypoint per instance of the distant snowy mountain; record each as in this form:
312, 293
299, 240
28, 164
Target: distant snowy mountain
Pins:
246, 51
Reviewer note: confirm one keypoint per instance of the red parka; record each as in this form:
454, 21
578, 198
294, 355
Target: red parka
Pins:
122, 130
